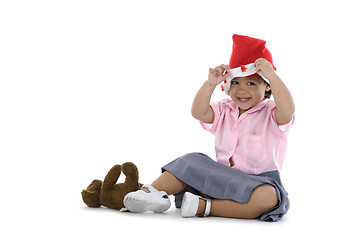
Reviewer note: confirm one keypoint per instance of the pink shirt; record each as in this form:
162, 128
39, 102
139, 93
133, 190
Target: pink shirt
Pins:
255, 141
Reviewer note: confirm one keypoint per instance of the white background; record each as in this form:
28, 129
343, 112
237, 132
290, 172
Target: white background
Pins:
89, 84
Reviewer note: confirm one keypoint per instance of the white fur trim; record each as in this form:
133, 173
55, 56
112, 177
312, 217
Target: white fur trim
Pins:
237, 72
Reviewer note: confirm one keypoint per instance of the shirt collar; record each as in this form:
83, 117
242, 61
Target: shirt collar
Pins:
260, 106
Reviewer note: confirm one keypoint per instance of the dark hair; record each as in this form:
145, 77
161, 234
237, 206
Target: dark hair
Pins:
268, 94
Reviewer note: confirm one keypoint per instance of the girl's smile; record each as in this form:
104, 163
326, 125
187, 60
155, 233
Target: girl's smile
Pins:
247, 92
244, 100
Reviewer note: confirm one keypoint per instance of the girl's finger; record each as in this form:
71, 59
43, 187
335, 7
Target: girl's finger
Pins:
219, 69
227, 75
225, 67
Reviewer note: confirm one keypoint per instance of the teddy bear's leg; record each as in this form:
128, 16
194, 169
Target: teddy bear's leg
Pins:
91, 194
112, 177
131, 174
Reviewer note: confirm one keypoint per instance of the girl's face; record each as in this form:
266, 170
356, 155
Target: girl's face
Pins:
247, 92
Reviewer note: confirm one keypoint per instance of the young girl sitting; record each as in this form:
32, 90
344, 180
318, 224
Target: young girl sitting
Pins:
250, 142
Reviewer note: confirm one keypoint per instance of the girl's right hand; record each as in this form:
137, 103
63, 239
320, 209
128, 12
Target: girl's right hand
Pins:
218, 74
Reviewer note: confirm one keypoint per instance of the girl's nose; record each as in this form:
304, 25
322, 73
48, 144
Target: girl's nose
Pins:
240, 88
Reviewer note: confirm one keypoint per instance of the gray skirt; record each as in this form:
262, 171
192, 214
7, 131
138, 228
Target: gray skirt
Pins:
205, 176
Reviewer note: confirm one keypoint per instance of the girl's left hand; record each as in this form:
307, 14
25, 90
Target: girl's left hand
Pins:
264, 66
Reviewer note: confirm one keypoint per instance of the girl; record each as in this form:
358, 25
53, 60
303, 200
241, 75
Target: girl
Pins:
250, 140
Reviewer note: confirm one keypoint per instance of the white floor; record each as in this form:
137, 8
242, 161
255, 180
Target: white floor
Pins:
170, 224
80, 222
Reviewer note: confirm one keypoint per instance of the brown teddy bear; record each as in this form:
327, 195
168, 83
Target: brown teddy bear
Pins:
109, 193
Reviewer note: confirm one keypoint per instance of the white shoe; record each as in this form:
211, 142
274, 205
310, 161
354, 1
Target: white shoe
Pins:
190, 205
140, 201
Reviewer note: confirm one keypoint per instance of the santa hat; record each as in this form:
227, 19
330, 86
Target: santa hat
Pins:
246, 50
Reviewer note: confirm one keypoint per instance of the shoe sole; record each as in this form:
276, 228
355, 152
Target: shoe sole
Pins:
140, 206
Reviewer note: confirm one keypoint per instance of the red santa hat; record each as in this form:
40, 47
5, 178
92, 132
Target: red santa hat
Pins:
246, 50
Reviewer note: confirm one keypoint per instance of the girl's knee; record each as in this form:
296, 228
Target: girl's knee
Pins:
192, 155
266, 197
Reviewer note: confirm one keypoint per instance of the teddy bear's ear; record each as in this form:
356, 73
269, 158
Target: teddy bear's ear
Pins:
91, 194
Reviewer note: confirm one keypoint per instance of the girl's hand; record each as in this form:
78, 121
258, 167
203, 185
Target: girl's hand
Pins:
282, 96
264, 66
217, 75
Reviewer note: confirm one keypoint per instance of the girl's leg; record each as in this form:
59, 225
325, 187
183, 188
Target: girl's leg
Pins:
263, 198
169, 183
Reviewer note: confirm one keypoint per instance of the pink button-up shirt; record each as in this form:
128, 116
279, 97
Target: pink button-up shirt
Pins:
254, 140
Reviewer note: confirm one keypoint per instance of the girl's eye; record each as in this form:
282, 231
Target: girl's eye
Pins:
250, 83
234, 83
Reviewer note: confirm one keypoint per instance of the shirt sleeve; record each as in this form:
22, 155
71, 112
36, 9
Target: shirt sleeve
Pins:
217, 111
285, 127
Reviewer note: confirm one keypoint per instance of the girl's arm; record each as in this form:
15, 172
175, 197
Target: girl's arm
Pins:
282, 96
201, 109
